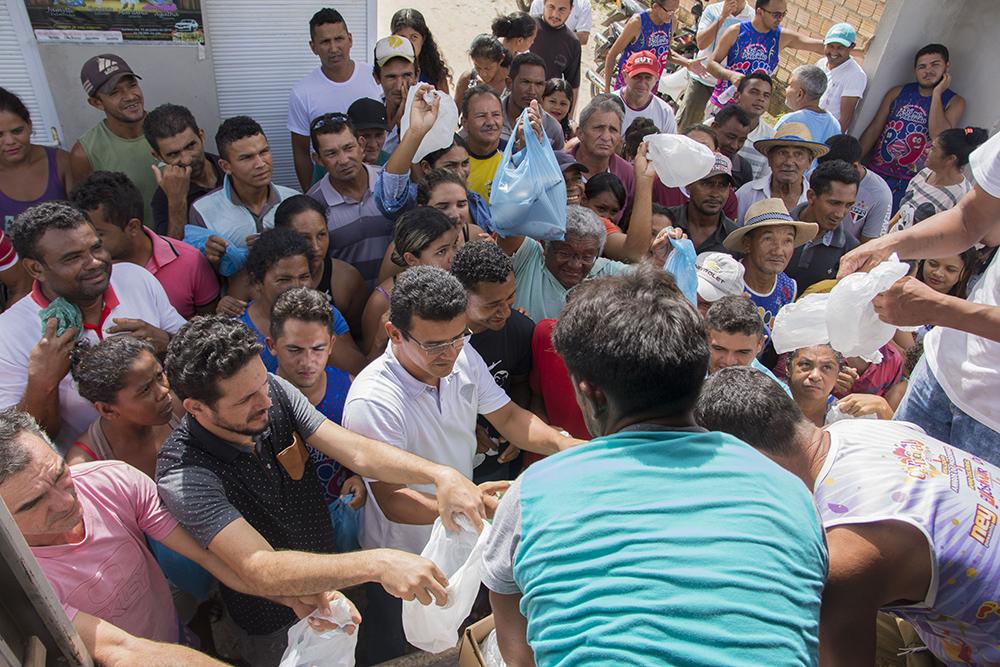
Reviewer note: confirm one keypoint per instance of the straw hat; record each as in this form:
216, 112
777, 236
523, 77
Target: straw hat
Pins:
770, 213
796, 135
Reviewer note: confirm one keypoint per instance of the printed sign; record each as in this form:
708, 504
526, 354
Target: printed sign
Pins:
111, 21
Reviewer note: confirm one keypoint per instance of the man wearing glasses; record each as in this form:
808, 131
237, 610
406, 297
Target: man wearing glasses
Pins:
423, 395
359, 232
752, 46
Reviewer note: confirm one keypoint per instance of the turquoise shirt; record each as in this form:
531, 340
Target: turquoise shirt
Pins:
538, 291
673, 548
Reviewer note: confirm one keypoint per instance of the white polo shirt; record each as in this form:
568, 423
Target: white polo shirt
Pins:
133, 293
386, 403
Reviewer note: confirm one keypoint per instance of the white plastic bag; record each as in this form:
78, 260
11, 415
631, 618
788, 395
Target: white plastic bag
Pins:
801, 324
491, 651
674, 83
442, 133
333, 648
460, 557
854, 327
679, 160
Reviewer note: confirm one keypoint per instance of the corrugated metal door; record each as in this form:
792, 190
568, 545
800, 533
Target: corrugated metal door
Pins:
261, 49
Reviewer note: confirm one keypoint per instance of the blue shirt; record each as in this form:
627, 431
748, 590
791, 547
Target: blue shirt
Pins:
270, 362
331, 474
668, 547
767, 371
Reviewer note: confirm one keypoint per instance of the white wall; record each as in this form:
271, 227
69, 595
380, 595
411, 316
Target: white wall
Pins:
971, 31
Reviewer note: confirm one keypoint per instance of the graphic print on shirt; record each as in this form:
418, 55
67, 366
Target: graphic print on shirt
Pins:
751, 52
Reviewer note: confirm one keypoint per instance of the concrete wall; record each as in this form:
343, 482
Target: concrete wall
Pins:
180, 74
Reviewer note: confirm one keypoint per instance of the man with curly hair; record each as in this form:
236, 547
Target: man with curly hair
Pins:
237, 475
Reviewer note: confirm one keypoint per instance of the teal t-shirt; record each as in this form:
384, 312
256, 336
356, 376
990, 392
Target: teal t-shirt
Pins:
670, 547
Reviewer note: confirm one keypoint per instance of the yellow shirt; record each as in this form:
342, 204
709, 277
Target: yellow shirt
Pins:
481, 173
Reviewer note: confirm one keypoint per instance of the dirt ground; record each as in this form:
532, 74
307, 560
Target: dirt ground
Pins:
455, 22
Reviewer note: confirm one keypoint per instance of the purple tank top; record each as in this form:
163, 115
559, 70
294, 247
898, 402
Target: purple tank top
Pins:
11, 208
905, 142
751, 52
652, 37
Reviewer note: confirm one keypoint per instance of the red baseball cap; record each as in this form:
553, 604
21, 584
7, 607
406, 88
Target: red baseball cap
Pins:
642, 62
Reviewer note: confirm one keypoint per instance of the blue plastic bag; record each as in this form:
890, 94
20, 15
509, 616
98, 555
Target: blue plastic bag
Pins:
681, 265
231, 262
528, 196
183, 573
346, 524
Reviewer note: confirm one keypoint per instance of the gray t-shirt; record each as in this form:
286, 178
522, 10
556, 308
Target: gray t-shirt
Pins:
871, 209
498, 559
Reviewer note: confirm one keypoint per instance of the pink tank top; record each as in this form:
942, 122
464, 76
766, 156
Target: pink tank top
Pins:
885, 470
11, 208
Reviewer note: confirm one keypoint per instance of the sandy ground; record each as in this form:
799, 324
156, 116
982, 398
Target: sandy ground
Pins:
455, 22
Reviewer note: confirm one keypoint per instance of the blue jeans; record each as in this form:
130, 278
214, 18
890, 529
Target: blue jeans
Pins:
926, 405
898, 187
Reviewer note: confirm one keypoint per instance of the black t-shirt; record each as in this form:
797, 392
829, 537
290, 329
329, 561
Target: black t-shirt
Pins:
161, 215
560, 49
507, 354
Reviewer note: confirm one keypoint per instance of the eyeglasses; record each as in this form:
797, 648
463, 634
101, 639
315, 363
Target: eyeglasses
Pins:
336, 118
437, 349
567, 257
777, 16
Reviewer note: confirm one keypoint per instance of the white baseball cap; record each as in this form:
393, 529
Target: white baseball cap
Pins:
391, 47
719, 275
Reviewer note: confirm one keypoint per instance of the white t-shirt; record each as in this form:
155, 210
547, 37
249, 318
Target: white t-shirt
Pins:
848, 80
656, 110
386, 403
580, 17
133, 293
966, 366
710, 16
316, 95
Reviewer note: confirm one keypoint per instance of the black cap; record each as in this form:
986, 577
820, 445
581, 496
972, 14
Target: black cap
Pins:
103, 69
368, 114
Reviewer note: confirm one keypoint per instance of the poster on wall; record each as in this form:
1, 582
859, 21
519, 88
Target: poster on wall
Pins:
108, 21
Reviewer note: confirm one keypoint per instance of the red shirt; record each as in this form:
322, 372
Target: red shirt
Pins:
185, 274
8, 257
550, 378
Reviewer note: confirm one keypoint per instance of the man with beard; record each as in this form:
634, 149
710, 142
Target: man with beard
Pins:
359, 232
236, 474
898, 139
189, 172
767, 242
116, 143
833, 188
79, 296
702, 218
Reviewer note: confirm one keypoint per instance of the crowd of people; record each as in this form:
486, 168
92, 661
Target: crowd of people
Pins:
224, 396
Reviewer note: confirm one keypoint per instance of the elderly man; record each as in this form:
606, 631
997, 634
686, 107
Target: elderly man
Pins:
767, 242
642, 73
702, 217
789, 155
918, 541
87, 527
600, 135
573, 581
78, 296
802, 96
833, 188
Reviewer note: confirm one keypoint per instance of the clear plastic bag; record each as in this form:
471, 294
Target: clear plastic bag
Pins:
491, 651
528, 196
679, 160
801, 324
854, 327
333, 648
681, 265
460, 557
442, 133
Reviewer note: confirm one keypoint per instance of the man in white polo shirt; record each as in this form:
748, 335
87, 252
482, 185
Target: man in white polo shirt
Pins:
62, 252
423, 395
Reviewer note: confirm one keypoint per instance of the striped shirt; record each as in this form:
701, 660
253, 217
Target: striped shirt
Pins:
922, 200
359, 233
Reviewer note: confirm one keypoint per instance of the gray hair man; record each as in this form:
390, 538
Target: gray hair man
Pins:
802, 96
600, 135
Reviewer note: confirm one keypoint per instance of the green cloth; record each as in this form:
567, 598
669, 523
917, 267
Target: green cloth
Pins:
65, 313
133, 157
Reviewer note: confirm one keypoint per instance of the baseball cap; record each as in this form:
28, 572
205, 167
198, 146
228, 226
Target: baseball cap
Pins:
643, 62
722, 166
366, 114
103, 69
567, 161
719, 275
841, 33
391, 47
